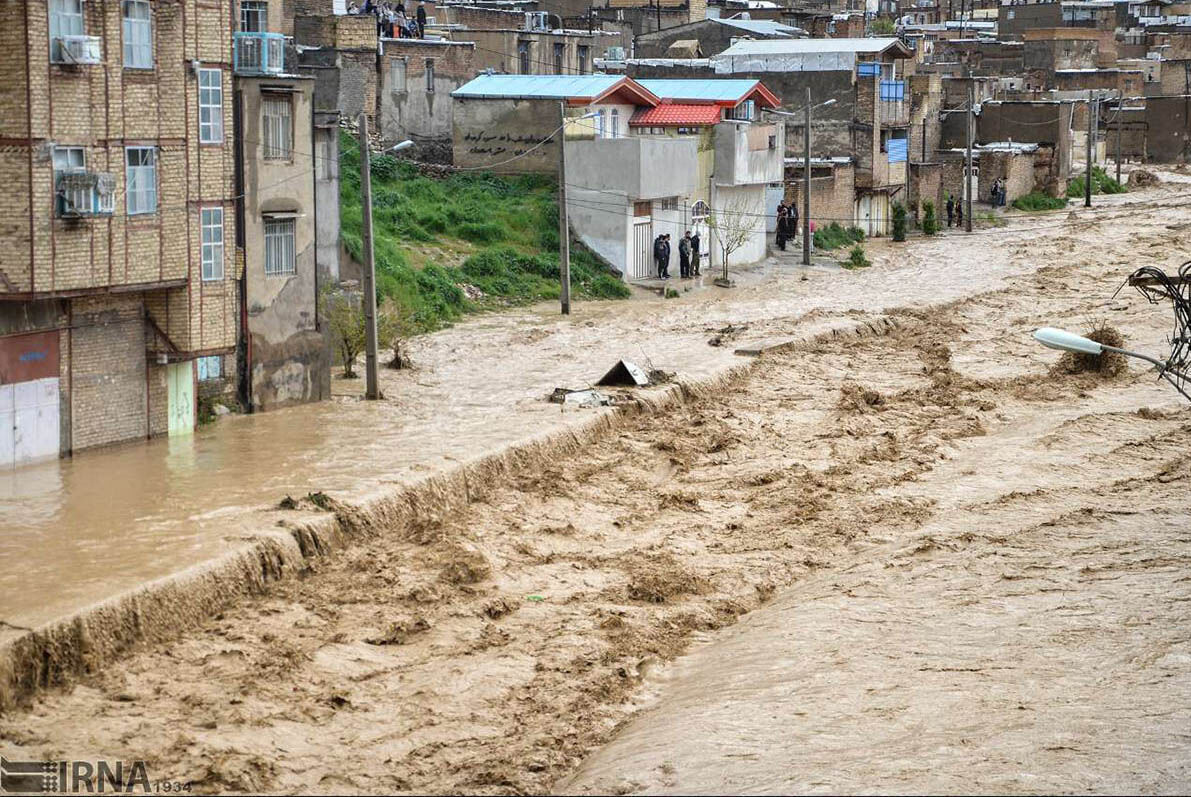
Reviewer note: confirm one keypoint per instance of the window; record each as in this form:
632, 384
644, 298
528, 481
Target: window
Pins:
429, 75
744, 111
279, 247
209, 368
70, 160
210, 106
558, 57
212, 243
140, 178
601, 124
397, 68
581, 57
66, 19
138, 35
614, 130
277, 126
254, 16
523, 56
699, 212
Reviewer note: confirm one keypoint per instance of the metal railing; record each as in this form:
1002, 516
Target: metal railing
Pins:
259, 53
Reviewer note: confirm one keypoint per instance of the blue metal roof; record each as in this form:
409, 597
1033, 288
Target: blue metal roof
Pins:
542, 87
705, 90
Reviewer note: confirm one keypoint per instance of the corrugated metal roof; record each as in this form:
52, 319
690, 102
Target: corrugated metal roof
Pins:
671, 114
543, 87
761, 27
810, 46
729, 90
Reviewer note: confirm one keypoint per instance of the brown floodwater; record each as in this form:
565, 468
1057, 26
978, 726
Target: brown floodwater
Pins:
84, 529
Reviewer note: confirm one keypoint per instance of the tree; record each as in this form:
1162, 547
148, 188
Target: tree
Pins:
396, 325
345, 318
899, 221
882, 26
930, 225
733, 224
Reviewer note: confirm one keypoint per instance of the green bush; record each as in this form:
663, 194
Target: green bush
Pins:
899, 221
930, 224
856, 258
513, 221
1037, 201
1101, 184
833, 236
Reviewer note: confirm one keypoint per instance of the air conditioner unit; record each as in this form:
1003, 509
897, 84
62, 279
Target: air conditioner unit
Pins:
81, 49
537, 20
614, 54
86, 194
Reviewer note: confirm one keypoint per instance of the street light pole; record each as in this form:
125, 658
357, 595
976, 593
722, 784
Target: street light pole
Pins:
1087, 180
1120, 121
806, 184
966, 197
564, 234
371, 386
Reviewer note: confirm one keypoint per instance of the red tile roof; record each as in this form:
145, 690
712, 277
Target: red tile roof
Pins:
673, 114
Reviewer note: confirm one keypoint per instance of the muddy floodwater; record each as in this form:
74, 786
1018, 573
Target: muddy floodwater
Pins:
920, 560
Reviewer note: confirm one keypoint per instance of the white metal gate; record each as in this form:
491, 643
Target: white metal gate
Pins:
29, 421
641, 257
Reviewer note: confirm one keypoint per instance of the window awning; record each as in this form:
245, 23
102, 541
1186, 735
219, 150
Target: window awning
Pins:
287, 214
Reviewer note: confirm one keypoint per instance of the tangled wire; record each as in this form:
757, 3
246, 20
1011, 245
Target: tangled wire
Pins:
1155, 285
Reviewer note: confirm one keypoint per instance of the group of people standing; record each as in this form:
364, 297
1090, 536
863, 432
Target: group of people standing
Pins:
391, 21
688, 255
787, 223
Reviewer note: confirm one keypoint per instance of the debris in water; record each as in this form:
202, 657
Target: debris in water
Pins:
1141, 178
287, 503
321, 500
535, 598
582, 398
858, 399
625, 374
399, 631
1109, 364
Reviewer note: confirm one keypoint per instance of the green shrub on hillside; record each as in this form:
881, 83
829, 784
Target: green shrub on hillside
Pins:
833, 236
1037, 201
1101, 184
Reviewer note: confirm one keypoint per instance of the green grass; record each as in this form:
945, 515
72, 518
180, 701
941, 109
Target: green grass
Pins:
856, 258
833, 236
499, 234
1101, 184
1037, 201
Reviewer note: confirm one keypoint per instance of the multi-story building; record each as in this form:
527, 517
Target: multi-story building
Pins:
126, 252
117, 265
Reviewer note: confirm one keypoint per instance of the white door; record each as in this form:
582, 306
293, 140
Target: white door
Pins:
641, 258
29, 421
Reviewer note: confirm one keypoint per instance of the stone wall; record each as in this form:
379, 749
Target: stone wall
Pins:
412, 108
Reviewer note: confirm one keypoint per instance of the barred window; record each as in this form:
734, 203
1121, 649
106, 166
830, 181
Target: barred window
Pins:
212, 243
279, 247
429, 75
397, 75
140, 177
278, 127
138, 35
210, 106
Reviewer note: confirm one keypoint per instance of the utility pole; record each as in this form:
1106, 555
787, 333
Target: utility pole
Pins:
371, 388
564, 232
1087, 180
966, 196
806, 183
924, 138
658, 5
1120, 120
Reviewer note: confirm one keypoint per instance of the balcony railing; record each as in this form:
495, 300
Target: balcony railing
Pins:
259, 54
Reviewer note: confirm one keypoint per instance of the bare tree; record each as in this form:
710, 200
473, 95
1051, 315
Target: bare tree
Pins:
733, 223
345, 318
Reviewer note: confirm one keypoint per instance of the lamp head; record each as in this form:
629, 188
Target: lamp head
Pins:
1067, 341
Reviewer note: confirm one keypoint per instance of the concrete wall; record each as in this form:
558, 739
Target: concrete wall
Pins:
497, 50
1175, 78
415, 110
288, 359
713, 37
747, 154
345, 80
925, 183
326, 193
745, 207
489, 131
640, 167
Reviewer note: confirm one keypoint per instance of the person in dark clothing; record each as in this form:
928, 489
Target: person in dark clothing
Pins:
782, 222
793, 214
695, 243
666, 256
421, 20
959, 213
659, 250
950, 209
684, 256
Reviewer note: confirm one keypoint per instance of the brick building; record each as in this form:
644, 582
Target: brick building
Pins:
117, 272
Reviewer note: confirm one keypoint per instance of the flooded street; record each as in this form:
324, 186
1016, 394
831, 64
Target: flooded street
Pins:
913, 560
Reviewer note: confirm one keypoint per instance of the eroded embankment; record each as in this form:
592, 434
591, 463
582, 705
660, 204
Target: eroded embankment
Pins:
53, 655
490, 648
